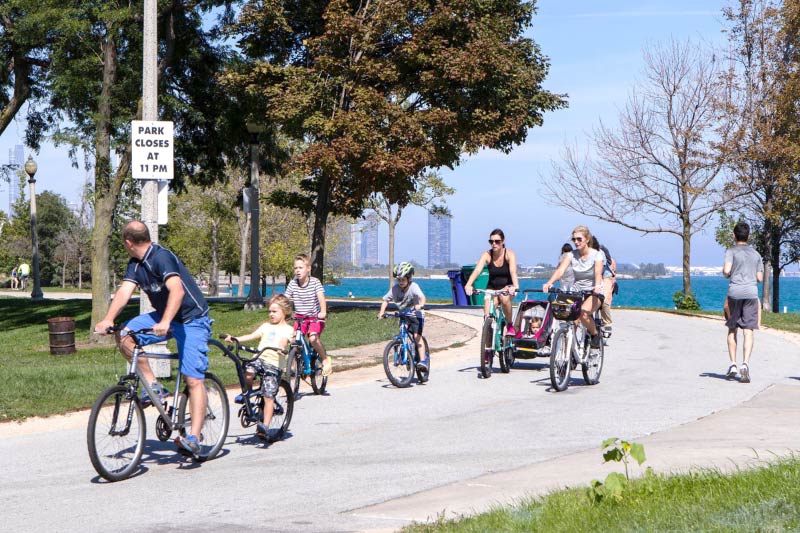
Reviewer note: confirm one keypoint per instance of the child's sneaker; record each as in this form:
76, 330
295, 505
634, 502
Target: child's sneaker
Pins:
732, 371
745, 373
511, 332
423, 365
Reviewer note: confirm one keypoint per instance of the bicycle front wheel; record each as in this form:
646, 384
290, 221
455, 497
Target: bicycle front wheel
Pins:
398, 364
281, 412
487, 348
293, 370
560, 361
116, 432
216, 420
318, 381
593, 365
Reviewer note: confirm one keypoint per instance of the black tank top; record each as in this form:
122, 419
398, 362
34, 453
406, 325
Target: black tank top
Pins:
499, 276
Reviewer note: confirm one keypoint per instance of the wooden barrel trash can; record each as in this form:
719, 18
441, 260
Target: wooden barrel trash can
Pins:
62, 335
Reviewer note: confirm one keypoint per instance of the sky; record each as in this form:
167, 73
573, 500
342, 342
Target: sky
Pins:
595, 50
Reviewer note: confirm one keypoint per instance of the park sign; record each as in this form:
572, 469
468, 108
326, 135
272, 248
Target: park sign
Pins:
151, 153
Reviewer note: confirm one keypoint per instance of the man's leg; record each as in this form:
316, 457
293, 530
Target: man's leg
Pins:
732, 345
747, 345
197, 404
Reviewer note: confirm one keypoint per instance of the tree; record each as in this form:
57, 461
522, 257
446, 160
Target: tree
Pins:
764, 152
24, 48
383, 90
429, 189
659, 171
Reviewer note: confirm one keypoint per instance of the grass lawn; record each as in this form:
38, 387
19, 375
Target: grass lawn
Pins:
35, 383
764, 499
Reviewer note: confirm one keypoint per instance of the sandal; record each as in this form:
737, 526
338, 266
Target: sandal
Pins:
327, 367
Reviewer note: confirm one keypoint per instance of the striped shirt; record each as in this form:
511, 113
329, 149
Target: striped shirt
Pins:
305, 299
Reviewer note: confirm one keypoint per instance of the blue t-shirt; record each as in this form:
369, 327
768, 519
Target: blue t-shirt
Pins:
151, 273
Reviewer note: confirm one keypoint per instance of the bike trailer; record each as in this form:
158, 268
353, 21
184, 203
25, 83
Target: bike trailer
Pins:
534, 324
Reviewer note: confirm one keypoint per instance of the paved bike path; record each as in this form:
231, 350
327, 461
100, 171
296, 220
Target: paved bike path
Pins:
370, 456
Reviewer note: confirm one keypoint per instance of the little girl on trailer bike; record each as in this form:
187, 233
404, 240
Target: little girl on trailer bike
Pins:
273, 336
408, 296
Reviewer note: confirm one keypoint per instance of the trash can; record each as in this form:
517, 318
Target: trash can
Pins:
457, 285
62, 335
481, 282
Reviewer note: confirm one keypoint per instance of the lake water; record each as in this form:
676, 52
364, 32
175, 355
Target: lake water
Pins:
710, 291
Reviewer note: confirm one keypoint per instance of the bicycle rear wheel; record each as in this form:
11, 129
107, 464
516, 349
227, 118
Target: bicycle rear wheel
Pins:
318, 381
594, 365
424, 375
507, 358
398, 365
116, 432
281, 412
560, 361
215, 423
293, 370
487, 348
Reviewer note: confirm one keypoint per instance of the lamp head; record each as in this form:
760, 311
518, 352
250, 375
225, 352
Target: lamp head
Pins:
31, 167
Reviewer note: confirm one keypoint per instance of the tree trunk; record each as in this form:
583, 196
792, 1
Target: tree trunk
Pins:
22, 89
775, 248
64, 273
392, 223
213, 283
687, 255
321, 212
105, 197
80, 272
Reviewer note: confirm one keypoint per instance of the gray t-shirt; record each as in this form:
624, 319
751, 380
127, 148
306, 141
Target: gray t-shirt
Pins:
584, 269
746, 263
568, 279
405, 300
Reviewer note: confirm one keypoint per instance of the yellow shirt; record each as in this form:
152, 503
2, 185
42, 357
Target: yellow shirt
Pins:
270, 336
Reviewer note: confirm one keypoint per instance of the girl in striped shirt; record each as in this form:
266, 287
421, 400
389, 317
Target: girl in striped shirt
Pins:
308, 296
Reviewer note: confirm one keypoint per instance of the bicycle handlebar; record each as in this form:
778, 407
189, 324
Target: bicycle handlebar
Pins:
238, 347
398, 314
308, 318
492, 292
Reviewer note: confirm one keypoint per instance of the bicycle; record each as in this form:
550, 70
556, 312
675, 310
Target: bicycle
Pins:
116, 430
303, 361
400, 357
494, 342
571, 342
253, 401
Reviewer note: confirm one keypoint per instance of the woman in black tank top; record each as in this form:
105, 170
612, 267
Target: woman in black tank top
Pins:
502, 264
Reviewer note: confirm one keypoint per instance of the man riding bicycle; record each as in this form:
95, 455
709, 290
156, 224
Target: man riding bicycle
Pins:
180, 312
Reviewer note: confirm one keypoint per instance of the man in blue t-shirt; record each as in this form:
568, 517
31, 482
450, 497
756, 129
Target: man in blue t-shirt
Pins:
180, 312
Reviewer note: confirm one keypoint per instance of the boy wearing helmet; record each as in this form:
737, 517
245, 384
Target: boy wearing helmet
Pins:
408, 296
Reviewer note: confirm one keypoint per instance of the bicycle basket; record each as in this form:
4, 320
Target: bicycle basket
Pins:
566, 307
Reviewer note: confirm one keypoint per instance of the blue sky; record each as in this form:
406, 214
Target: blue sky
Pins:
595, 50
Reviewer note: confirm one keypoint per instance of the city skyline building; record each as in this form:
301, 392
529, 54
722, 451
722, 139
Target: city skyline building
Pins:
438, 239
369, 244
16, 160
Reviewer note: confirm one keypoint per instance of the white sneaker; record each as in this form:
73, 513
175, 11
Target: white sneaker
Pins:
732, 371
745, 373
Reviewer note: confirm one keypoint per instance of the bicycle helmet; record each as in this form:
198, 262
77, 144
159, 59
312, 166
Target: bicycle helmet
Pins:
403, 270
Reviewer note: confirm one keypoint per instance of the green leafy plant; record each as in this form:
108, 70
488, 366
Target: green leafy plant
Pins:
615, 484
685, 302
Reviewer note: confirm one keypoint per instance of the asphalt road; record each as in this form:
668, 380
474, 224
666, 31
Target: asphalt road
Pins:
368, 443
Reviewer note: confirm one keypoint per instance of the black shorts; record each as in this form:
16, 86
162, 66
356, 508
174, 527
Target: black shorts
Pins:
415, 324
742, 313
270, 377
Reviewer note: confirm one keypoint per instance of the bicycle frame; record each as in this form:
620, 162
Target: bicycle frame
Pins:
498, 318
405, 338
133, 380
306, 350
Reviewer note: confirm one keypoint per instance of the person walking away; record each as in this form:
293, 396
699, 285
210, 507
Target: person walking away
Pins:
308, 296
23, 271
568, 279
409, 297
180, 311
745, 269
14, 280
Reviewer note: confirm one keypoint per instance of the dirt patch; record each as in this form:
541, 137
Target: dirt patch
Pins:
440, 333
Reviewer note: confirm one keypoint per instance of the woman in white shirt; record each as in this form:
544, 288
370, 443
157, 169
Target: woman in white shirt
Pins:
587, 267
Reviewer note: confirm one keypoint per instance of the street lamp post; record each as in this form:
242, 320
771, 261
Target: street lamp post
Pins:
254, 300
30, 169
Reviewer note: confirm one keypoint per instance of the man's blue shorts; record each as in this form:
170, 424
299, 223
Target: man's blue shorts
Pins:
191, 337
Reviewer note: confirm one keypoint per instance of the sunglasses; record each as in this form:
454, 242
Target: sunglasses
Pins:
495, 241
577, 239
